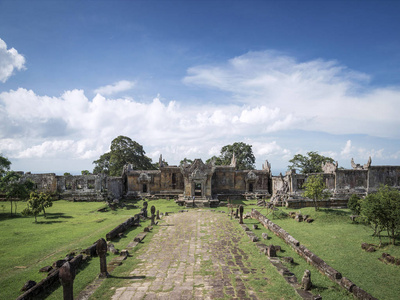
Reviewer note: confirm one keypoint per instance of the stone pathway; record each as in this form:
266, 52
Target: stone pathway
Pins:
195, 255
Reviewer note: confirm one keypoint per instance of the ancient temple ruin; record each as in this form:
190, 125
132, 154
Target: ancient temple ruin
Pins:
205, 184
341, 183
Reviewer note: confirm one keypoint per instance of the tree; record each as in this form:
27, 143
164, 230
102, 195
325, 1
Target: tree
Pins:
315, 189
185, 161
14, 188
312, 163
67, 174
354, 204
122, 151
382, 210
33, 206
85, 172
4, 165
243, 154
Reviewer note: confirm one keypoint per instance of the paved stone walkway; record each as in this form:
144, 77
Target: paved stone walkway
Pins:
195, 255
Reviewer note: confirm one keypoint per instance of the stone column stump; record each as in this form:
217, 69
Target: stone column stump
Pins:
67, 276
101, 250
241, 209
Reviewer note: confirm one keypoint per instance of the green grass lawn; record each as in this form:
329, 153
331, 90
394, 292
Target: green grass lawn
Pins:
335, 239
27, 246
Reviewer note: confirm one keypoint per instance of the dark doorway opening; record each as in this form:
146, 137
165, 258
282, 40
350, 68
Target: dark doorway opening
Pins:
250, 187
144, 188
197, 189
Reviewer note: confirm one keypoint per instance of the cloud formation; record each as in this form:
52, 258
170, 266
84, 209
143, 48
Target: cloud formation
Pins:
314, 95
120, 86
274, 96
10, 60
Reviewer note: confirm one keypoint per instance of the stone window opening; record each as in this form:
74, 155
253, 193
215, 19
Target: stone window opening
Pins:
173, 181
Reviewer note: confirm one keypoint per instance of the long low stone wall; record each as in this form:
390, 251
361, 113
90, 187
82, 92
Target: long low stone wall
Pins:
311, 258
51, 279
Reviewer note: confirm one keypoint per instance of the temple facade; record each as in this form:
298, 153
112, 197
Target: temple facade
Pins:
209, 183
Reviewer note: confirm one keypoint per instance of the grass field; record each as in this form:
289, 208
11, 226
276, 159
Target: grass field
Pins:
335, 239
25, 247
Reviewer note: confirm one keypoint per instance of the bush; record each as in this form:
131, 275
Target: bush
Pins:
354, 204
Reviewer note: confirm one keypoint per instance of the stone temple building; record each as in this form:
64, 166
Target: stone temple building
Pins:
341, 183
198, 183
205, 184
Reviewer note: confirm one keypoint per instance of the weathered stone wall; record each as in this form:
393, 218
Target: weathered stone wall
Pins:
351, 181
223, 180
378, 175
227, 180
82, 187
43, 182
115, 187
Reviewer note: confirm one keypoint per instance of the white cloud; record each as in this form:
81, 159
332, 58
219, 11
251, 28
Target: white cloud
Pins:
316, 95
346, 151
10, 60
120, 86
276, 95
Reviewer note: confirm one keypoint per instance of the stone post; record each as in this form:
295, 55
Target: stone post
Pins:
153, 211
306, 281
67, 276
241, 209
158, 215
101, 249
144, 209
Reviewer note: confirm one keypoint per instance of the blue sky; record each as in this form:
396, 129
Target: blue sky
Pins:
184, 78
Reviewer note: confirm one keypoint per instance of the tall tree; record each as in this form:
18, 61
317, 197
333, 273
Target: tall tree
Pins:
312, 163
4, 165
243, 154
14, 188
315, 189
122, 151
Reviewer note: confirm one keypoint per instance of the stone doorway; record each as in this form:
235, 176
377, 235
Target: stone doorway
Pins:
251, 189
144, 189
197, 190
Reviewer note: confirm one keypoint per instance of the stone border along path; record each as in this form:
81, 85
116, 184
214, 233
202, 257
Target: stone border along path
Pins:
185, 261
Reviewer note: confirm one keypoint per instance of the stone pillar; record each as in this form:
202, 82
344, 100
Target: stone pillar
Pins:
67, 276
144, 209
101, 250
271, 251
306, 281
241, 209
153, 211
158, 215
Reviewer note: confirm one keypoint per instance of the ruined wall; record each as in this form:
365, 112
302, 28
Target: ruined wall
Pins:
351, 181
115, 187
389, 175
227, 180
223, 180
143, 181
82, 187
171, 179
43, 182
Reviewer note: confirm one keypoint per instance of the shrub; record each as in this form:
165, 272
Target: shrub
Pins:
354, 204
